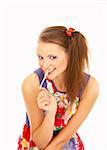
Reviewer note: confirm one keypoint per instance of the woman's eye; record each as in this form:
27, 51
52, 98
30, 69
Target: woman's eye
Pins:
52, 57
40, 57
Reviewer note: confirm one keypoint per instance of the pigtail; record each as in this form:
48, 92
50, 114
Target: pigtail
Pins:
77, 50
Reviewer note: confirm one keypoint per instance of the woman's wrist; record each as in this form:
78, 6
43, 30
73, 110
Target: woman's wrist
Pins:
50, 113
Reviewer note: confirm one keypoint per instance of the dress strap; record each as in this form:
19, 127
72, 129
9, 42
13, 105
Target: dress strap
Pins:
27, 121
87, 77
40, 74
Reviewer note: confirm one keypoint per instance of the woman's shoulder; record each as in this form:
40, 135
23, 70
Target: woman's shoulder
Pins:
31, 82
92, 87
93, 82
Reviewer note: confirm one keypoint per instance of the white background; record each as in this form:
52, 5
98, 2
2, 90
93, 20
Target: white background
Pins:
23, 21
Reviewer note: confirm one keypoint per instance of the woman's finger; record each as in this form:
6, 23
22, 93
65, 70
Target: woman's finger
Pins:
43, 103
44, 89
45, 98
40, 99
42, 94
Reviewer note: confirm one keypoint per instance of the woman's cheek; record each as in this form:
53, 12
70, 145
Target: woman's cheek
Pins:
40, 64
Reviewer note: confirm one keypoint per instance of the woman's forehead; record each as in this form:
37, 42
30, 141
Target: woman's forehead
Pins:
49, 48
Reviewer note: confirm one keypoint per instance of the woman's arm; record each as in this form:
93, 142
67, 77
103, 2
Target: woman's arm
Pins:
87, 101
43, 135
41, 125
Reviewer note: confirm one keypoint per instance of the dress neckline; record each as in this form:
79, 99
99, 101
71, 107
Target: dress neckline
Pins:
62, 92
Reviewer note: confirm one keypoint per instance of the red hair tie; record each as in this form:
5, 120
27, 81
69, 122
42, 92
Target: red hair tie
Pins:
70, 31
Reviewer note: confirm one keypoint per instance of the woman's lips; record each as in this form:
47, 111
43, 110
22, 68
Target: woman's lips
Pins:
51, 71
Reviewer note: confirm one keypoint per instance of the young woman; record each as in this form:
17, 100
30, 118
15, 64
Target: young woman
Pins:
57, 108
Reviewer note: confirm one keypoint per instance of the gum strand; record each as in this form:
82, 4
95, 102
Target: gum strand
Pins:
44, 78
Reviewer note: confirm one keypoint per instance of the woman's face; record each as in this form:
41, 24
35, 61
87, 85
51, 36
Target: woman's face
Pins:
52, 56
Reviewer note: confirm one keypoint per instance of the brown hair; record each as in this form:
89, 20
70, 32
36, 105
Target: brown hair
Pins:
76, 47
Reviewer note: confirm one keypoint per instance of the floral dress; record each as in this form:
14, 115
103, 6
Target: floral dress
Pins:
63, 115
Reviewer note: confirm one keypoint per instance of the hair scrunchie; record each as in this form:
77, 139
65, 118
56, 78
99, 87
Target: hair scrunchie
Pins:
70, 31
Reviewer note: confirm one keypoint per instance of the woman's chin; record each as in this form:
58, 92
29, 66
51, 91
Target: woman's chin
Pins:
51, 76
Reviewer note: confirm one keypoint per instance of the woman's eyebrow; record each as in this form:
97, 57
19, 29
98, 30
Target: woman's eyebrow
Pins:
48, 55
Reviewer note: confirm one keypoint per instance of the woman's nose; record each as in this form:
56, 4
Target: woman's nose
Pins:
45, 65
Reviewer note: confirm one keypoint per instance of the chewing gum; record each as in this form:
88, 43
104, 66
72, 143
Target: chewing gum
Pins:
44, 79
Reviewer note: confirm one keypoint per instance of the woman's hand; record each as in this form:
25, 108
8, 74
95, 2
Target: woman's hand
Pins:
46, 101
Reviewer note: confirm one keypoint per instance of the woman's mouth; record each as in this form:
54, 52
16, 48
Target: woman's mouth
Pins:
51, 71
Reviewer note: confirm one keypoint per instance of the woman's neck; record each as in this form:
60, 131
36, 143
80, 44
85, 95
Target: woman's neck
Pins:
60, 84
